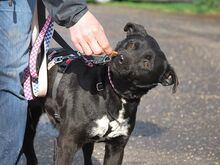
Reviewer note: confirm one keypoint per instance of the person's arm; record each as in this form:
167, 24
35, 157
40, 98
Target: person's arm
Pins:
66, 12
87, 34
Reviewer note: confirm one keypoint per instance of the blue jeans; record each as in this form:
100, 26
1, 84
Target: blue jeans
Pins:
15, 38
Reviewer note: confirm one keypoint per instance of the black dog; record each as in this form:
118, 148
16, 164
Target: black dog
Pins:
99, 104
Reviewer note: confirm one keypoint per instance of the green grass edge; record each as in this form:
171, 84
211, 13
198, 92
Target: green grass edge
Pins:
166, 7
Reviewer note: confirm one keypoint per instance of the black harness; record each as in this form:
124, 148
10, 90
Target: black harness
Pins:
63, 58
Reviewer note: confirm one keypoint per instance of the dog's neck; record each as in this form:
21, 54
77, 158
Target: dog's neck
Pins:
123, 90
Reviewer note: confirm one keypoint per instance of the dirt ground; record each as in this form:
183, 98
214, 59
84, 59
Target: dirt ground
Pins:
171, 129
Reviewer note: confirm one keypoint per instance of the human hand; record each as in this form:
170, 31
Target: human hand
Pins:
88, 36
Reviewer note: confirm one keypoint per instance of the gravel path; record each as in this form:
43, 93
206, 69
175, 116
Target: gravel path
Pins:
179, 129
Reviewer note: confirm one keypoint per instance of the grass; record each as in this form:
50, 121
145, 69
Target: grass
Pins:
167, 7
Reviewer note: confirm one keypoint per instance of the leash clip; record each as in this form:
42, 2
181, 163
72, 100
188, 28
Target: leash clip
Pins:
101, 60
58, 59
107, 59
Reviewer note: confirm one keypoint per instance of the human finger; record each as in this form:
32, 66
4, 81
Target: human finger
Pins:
94, 45
79, 48
84, 45
103, 42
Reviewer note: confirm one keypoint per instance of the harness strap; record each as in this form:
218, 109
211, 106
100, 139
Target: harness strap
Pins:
41, 20
61, 41
54, 94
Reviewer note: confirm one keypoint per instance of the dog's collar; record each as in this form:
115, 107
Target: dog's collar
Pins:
118, 92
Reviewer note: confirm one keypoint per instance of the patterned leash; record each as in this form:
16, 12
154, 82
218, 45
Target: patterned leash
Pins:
34, 85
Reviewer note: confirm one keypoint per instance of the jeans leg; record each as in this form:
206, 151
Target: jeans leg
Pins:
15, 37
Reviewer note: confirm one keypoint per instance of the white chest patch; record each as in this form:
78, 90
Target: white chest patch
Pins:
101, 128
117, 127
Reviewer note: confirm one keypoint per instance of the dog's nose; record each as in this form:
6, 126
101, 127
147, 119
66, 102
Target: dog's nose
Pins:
121, 59
120, 56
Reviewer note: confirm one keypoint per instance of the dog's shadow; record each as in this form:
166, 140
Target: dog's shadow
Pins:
147, 129
46, 135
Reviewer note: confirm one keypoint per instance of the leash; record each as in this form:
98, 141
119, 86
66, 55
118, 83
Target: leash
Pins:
32, 81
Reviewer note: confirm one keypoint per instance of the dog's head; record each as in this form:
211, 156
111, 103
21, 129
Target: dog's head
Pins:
141, 63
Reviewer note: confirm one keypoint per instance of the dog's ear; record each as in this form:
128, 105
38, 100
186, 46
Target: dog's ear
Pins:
132, 28
170, 78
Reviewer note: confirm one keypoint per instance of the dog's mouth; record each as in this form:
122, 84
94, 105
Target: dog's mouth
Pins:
139, 85
123, 88
117, 62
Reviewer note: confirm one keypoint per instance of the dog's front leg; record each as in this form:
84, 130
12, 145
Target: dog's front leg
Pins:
114, 153
65, 149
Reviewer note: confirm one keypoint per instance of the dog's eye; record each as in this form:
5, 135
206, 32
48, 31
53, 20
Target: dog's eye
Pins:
132, 45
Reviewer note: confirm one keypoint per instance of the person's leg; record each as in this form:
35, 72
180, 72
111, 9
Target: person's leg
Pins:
15, 37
